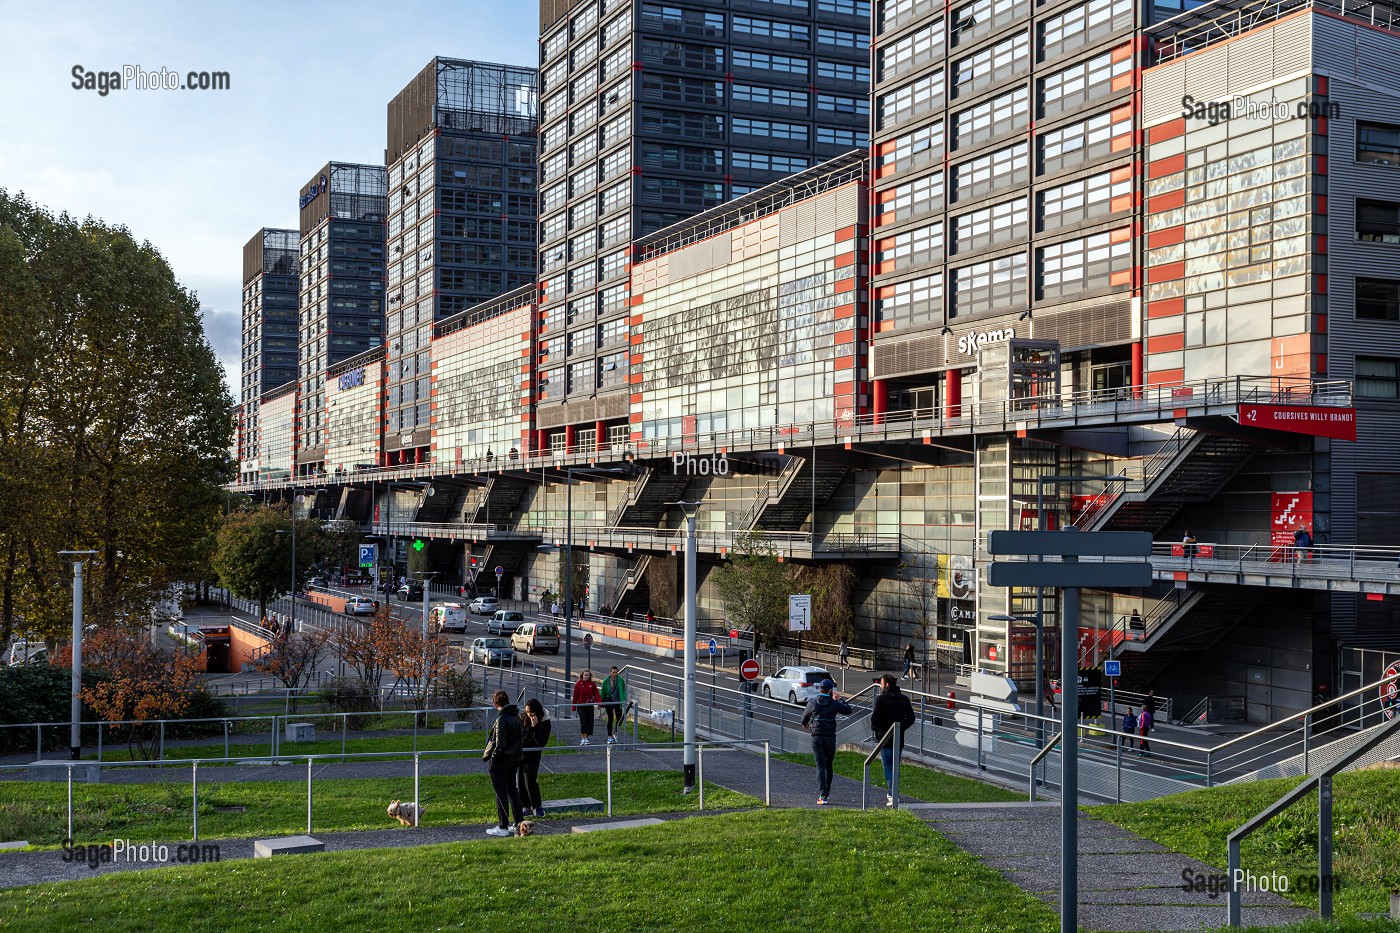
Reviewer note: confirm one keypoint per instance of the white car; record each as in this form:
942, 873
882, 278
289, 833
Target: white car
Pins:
505, 621
448, 617
359, 606
492, 651
795, 684
484, 605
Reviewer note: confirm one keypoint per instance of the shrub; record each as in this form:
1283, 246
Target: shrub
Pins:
349, 695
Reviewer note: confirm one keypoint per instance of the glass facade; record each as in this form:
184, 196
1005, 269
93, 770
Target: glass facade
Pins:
353, 413
269, 358
478, 386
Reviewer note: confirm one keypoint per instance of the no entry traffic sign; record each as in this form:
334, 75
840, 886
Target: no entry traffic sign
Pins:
749, 669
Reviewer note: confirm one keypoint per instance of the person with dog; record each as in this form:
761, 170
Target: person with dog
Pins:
820, 719
536, 725
586, 697
503, 753
614, 695
891, 707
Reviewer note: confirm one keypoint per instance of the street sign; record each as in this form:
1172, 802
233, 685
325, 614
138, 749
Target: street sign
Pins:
800, 612
750, 669
1113, 668
500, 571
993, 686
714, 647
1127, 574
588, 640
1071, 543
419, 544
369, 555
1390, 692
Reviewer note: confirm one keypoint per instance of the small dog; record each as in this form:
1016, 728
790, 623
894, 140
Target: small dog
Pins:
525, 828
407, 813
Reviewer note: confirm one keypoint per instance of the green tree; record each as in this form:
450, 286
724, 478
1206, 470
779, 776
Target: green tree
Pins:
755, 587
340, 541
253, 558
833, 590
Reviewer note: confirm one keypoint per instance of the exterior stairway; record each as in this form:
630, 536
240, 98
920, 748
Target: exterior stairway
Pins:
648, 498
1191, 467
786, 504
445, 502
504, 554
494, 502
1196, 624
635, 595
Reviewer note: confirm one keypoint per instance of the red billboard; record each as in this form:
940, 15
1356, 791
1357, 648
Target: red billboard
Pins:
1291, 511
1339, 423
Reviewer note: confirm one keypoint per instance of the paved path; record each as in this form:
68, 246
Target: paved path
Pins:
1125, 882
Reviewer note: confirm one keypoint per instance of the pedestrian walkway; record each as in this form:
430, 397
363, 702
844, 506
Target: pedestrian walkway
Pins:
1126, 883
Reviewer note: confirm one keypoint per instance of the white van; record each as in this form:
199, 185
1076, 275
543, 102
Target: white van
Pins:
26, 652
448, 617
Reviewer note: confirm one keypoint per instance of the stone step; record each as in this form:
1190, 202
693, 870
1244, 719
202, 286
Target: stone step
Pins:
286, 845
574, 805
619, 824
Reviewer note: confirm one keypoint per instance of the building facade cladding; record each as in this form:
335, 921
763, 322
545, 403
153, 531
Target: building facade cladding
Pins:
279, 418
654, 111
342, 286
481, 384
269, 346
354, 412
463, 202
760, 326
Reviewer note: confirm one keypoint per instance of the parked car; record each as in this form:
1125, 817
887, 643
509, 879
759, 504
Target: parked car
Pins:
26, 652
536, 636
448, 617
504, 622
317, 583
411, 592
359, 606
492, 651
795, 684
484, 605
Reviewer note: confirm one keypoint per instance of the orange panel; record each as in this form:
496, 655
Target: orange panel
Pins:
1163, 167
1166, 343
1166, 377
1166, 131
1166, 202
1167, 237
1166, 272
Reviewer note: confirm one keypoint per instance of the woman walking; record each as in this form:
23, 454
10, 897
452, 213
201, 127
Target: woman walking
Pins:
536, 727
614, 695
586, 698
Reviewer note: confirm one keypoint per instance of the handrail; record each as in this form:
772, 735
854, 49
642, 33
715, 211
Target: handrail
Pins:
1039, 757
894, 730
1311, 711
773, 489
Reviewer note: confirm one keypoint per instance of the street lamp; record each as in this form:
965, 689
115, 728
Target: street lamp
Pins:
75, 743
691, 509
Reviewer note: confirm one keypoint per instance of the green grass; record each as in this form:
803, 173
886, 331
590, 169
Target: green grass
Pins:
747, 871
38, 812
1366, 821
916, 781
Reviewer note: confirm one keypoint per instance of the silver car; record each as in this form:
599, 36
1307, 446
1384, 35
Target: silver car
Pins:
492, 650
795, 684
359, 606
504, 622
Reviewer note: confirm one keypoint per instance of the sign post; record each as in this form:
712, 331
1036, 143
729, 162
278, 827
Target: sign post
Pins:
800, 617
1071, 576
500, 572
714, 649
369, 557
588, 644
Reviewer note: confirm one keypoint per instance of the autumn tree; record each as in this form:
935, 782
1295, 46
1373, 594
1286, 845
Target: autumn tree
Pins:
833, 590
293, 657
417, 661
138, 684
253, 555
368, 648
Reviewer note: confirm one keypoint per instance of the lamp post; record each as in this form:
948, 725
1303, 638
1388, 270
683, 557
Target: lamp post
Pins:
691, 509
75, 742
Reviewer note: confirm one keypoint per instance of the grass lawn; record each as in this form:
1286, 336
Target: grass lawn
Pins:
775, 870
915, 781
148, 812
1366, 822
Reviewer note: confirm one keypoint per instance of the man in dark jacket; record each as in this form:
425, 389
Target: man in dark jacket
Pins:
504, 751
891, 707
820, 718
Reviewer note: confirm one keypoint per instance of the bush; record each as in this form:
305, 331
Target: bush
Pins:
454, 689
38, 693
349, 695
202, 705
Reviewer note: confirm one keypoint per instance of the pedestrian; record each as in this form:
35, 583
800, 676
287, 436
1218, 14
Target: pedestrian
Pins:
1137, 628
614, 695
1301, 542
1129, 727
651, 617
908, 660
554, 608
891, 707
1144, 727
503, 753
535, 726
1188, 544
845, 652
820, 720
586, 697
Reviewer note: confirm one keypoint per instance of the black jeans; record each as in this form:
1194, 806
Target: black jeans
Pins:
824, 749
585, 721
614, 713
507, 794
527, 780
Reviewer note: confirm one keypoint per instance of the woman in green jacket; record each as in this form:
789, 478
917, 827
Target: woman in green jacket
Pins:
614, 696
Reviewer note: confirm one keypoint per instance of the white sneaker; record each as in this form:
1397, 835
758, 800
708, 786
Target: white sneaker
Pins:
497, 831
583, 741
889, 800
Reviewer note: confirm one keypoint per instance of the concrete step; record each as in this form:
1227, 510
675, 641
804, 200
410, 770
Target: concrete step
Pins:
618, 824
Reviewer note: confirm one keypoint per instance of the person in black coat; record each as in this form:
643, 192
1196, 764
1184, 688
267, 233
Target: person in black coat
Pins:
891, 707
537, 727
504, 751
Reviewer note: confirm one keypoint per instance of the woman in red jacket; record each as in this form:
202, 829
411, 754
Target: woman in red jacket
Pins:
586, 698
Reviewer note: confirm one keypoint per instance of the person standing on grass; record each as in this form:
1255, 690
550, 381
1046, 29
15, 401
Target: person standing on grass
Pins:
586, 697
614, 696
503, 753
820, 720
535, 726
1144, 727
891, 707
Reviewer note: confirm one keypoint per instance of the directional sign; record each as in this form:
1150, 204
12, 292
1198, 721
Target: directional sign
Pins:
1135, 574
800, 612
714, 647
369, 555
749, 669
1071, 543
1113, 668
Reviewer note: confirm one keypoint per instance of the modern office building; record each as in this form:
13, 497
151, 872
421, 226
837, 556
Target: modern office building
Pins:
343, 210
651, 113
462, 153
269, 357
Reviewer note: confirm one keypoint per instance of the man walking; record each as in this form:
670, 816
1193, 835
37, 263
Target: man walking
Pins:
820, 719
614, 696
503, 753
891, 707
845, 652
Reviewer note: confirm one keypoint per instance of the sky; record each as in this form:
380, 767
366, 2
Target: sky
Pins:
198, 173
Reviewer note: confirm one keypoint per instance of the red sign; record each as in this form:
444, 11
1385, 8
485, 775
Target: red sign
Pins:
749, 669
1339, 423
1291, 511
1390, 692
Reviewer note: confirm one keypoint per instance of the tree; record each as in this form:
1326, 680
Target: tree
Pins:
578, 575
293, 657
755, 587
832, 587
922, 591
368, 649
417, 662
114, 420
253, 556
138, 684
340, 542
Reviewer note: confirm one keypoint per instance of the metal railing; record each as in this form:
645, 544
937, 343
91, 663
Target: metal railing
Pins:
771, 491
893, 733
1142, 475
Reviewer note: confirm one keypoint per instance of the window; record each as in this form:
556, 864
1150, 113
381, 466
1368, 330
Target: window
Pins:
675, 19
772, 29
912, 303
1086, 81
581, 376
556, 44
612, 332
767, 162
1083, 25
843, 71
992, 65
896, 13
1089, 264
915, 247
683, 123
612, 265
683, 90
910, 200
617, 62
981, 18
1377, 221
1377, 300
911, 150
1004, 114
913, 50
614, 197
769, 61
613, 298
1085, 141
1004, 168
918, 97
1377, 377
1085, 199
1378, 143
682, 55
859, 8
612, 369
582, 341
835, 103
990, 286
846, 139
554, 167
617, 162
769, 96
998, 223
842, 38
769, 128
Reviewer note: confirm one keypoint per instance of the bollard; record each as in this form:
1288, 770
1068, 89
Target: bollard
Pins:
344, 719
922, 724
979, 739
417, 807
308, 796
894, 772
194, 796
609, 767
70, 803
226, 725
38, 741
700, 772
767, 776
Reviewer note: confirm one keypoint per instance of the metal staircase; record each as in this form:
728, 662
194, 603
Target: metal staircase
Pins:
505, 554
1191, 466
444, 502
1195, 622
635, 595
648, 498
786, 503
495, 501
